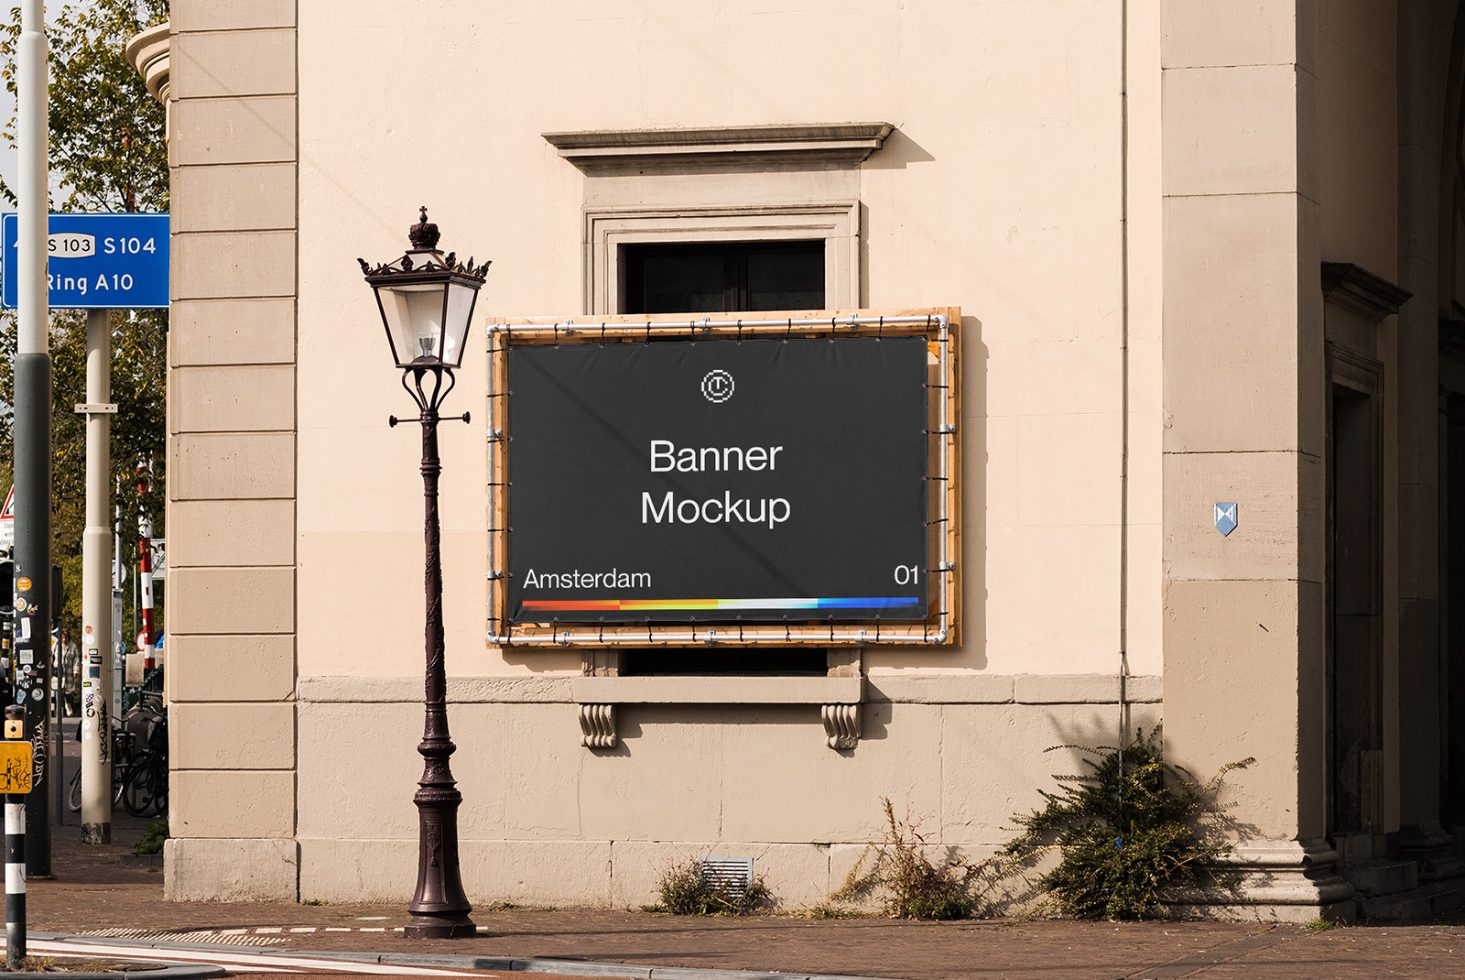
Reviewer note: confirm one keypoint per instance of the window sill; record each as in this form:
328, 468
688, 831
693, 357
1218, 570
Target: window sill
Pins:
719, 690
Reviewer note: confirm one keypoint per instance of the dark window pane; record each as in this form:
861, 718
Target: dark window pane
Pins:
794, 660
723, 277
786, 278
681, 282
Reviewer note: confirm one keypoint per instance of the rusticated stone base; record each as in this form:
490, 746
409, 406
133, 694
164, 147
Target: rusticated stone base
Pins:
230, 870
1433, 849
1281, 881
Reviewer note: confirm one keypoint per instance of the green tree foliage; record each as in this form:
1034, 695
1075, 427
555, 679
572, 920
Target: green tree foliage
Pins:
107, 154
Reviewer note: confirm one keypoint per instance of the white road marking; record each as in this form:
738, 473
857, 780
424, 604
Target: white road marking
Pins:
233, 967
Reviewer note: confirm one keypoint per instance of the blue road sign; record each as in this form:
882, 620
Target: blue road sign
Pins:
99, 261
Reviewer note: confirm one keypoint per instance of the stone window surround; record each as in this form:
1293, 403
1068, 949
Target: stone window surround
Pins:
837, 223
634, 213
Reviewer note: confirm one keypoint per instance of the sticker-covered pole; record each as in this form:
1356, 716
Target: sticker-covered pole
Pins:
32, 419
14, 857
145, 637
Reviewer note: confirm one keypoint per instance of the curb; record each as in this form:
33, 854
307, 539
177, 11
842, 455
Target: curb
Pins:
165, 971
534, 964
141, 860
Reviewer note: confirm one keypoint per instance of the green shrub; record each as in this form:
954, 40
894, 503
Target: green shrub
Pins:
909, 885
686, 891
152, 838
1128, 830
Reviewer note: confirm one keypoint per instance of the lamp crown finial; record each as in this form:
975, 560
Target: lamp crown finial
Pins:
424, 234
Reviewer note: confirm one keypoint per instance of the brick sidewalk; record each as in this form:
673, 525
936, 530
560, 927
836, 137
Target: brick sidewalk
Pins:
94, 891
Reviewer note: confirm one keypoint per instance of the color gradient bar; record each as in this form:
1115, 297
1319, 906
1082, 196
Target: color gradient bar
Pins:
717, 605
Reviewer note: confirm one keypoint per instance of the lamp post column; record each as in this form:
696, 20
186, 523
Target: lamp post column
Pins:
439, 906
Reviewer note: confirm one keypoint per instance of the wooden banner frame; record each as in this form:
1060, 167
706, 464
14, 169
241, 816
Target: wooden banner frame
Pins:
941, 328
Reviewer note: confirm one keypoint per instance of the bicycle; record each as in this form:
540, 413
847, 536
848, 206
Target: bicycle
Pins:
145, 786
145, 790
139, 760
122, 754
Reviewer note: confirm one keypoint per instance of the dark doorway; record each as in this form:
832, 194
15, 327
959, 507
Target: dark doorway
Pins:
1452, 595
1355, 728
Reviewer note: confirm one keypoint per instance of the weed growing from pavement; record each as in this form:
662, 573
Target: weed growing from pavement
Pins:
828, 910
313, 901
685, 890
1319, 925
1130, 830
909, 885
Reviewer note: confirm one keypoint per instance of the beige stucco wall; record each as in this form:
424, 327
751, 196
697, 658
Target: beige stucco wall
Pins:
1002, 191
231, 462
1243, 331
1123, 197
958, 211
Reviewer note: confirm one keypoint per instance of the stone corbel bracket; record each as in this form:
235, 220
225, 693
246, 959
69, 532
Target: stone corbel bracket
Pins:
598, 726
841, 725
839, 700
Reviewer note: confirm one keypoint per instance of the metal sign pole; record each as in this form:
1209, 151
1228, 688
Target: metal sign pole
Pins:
33, 419
15, 775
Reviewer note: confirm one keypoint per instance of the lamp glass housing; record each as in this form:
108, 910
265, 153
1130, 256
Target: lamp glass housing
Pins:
427, 318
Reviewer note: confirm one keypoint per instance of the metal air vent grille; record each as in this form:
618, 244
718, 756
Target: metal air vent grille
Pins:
730, 875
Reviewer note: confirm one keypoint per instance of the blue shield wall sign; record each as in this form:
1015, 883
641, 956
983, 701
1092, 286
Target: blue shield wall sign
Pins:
1225, 516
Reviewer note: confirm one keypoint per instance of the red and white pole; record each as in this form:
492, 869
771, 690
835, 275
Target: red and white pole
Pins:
146, 637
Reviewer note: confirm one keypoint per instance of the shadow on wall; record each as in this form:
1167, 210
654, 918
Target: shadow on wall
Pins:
898, 152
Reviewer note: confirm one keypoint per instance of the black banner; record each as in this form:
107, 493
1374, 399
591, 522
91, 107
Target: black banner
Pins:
718, 480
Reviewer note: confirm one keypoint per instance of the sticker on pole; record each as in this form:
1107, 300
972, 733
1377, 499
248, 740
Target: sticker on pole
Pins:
15, 767
98, 261
7, 522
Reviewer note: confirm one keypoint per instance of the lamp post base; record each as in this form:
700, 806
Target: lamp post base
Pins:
448, 927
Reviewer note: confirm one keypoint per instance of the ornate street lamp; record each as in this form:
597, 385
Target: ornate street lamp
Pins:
426, 301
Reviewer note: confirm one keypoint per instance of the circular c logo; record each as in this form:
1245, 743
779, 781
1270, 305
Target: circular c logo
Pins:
717, 386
